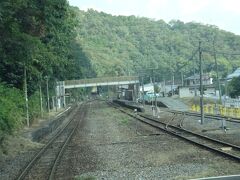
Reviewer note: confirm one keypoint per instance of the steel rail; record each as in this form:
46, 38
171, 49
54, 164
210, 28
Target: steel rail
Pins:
153, 122
54, 167
217, 117
28, 167
193, 133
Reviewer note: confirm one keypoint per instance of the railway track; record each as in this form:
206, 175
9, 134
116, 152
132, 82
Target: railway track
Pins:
216, 117
44, 164
220, 147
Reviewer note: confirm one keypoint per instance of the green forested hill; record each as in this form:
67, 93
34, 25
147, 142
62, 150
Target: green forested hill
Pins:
36, 37
119, 45
52, 41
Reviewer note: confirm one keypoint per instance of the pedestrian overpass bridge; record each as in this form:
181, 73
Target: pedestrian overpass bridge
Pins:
132, 81
94, 82
102, 81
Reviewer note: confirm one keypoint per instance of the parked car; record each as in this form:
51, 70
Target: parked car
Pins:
150, 95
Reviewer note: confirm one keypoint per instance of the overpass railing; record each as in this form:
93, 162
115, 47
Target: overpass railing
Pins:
101, 80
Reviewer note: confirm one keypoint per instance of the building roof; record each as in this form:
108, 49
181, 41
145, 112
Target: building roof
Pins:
236, 73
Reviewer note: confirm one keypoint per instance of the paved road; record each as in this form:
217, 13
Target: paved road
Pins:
173, 104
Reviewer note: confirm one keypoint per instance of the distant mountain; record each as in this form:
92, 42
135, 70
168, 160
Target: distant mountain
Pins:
122, 45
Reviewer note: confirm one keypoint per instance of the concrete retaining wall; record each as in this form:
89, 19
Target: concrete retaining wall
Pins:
38, 134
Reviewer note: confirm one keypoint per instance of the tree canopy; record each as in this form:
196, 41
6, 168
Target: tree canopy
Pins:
234, 87
50, 38
39, 36
119, 45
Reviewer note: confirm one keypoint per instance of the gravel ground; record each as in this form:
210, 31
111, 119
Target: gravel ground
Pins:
211, 127
111, 145
10, 166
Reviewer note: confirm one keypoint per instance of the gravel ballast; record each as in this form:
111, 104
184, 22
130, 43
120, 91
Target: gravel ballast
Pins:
112, 145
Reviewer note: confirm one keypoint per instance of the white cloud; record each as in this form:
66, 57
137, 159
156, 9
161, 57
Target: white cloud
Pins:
154, 6
156, 3
222, 13
231, 6
109, 1
189, 7
157, 9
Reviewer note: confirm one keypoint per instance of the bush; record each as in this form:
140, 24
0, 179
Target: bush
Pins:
12, 109
34, 106
234, 87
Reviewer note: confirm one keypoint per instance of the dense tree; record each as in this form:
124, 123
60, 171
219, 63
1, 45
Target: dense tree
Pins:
118, 45
51, 38
39, 36
11, 114
234, 87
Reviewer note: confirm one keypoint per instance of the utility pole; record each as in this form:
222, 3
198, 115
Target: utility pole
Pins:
182, 77
154, 104
47, 94
164, 90
194, 80
201, 84
57, 93
216, 68
143, 100
56, 103
155, 96
40, 97
108, 91
172, 83
26, 95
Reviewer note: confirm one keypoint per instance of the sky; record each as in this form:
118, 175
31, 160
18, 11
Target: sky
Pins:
223, 13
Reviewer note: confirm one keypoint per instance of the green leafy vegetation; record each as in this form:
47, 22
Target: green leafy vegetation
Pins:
125, 121
234, 87
122, 45
12, 110
34, 106
52, 39
38, 36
